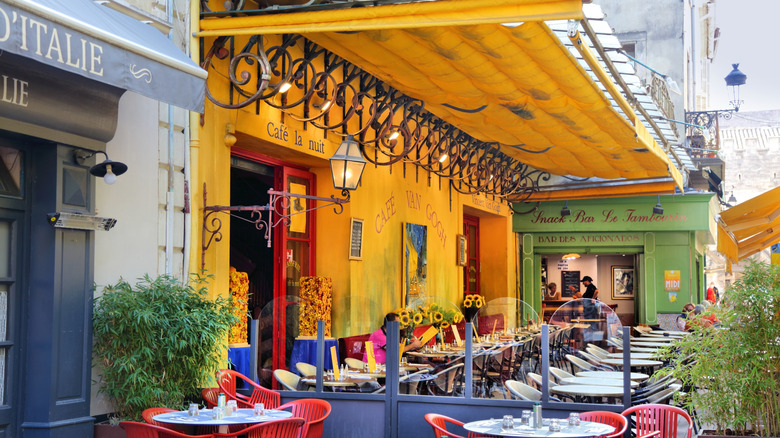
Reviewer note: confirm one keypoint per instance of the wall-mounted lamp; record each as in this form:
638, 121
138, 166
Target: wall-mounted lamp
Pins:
347, 164
565, 209
706, 119
108, 170
346, 167
734, 80
77, 221
658, 209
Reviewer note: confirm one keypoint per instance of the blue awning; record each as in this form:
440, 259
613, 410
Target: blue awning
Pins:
96, 42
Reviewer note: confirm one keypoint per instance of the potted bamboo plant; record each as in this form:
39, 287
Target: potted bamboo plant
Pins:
157, 342
731, 371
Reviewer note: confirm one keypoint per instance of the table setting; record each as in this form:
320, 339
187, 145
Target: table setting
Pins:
509, 426
219, 417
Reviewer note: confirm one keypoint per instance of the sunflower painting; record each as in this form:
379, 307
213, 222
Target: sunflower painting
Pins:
415, 261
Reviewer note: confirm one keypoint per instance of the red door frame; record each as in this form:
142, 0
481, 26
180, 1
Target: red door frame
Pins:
280, 284
469, 220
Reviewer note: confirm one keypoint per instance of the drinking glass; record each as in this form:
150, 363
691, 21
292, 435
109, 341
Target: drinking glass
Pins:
217, 413
574, 419
259, 409
192, 411
508, 422
525, 419
554, 426
231, 408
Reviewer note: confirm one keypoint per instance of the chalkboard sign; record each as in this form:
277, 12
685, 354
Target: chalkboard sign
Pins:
570, 278
356, 239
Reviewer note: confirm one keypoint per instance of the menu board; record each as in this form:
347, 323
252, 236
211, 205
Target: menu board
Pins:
570, 278
356, 239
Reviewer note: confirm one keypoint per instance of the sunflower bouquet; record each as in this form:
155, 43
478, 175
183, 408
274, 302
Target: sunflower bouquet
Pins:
431, 314
473, 301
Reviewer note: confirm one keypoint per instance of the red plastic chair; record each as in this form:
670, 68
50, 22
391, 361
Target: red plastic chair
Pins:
658, 420
148, 414
439, 424
613, 419
287, 428
145, 430
313, 410
227, 381
210, 396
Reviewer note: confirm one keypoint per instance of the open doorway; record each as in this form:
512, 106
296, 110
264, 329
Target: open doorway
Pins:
249, 251
274, 270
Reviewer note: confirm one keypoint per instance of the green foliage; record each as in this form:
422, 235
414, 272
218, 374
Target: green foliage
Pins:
157, 342
736, 367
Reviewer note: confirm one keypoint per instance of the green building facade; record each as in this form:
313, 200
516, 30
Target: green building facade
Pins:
663, 254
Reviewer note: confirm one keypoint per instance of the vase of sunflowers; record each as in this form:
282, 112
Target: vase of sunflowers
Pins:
431, 314
471, 305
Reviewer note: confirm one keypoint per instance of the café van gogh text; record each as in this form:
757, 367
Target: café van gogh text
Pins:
630, 215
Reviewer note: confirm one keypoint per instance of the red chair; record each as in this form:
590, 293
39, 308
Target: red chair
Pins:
613, 419
210, 396
145, 430
287, 428
658, 420
439, 424
148, 414
313, 410
228, 381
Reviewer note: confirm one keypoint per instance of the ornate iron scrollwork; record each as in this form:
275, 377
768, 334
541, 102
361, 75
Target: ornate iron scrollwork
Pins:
396, 127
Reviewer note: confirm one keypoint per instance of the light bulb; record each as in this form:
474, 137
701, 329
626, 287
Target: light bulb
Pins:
284, 87
394, 135
109, 177
326, 105
443, 158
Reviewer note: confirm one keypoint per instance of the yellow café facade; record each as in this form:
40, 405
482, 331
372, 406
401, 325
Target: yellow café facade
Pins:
445, 136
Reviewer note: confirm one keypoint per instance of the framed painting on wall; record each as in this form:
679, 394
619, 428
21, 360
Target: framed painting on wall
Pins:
462, 247
622, 282
415, 261
356, 239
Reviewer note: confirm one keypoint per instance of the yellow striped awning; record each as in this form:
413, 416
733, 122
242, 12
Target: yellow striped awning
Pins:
514, 83
751, 226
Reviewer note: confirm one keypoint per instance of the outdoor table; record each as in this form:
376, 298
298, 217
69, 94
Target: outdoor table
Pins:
634, 355
331, 382
643, 349
242, 416
667, 333
634, 362
655, 339
650, 344
597, 381
582, 391
612, 375
584, 430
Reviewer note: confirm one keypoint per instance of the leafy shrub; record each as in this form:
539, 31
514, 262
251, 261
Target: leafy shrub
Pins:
732, 372
157, 342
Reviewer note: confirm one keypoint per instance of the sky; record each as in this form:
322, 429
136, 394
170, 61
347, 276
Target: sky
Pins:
748, 36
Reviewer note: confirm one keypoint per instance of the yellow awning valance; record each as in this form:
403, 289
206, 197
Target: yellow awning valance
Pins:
751, 226
396, 16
